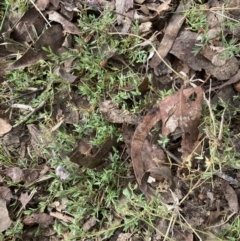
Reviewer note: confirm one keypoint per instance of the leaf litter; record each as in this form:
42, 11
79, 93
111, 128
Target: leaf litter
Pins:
169, 171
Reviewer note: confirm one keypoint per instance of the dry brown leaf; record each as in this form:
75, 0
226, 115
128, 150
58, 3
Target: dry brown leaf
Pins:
40, 138
231, 197
113, 114
15, 173
89, 224
120, 8
42, 4
183, 49
67, 26
55, 3
30, 175
5, 194
214, 214
61, 216
163, 7
138, 139
42, 219
175, 111
171, 33
5, 127
29, 27
179, 110
5, 221
93, 160
52, 38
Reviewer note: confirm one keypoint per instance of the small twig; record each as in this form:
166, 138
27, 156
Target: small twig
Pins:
171, 155
227, 178
155, 50
19, 97
34, 110
29, 198
221, 223
40, 13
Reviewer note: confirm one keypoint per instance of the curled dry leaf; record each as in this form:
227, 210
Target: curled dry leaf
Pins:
5, 127
183, 110
138, 139
176, 111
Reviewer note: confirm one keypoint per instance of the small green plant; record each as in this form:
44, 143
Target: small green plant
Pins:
232, 232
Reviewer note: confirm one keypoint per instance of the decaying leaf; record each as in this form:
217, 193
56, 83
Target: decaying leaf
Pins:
42, 4
89, 224
231, 197
15, 173
29, 27
5, 193
183, 49
5, 127
92, 160
113, 114
67, 26
183, 110
214, 214
175, 111
5, 221
61, 216
52, 38
171, 33
43, 219
40, 138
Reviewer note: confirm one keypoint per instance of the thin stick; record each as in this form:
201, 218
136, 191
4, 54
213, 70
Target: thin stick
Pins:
40, 13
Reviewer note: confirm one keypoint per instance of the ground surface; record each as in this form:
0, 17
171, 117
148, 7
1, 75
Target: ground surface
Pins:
119, 120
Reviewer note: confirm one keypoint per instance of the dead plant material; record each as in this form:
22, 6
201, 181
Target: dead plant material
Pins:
170, 35
180, 110
92, 160
52, 38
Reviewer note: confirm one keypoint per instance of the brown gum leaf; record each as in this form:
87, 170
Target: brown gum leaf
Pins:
138, 139
170, 35
179, 110
67, 25
92, 161
52, 38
